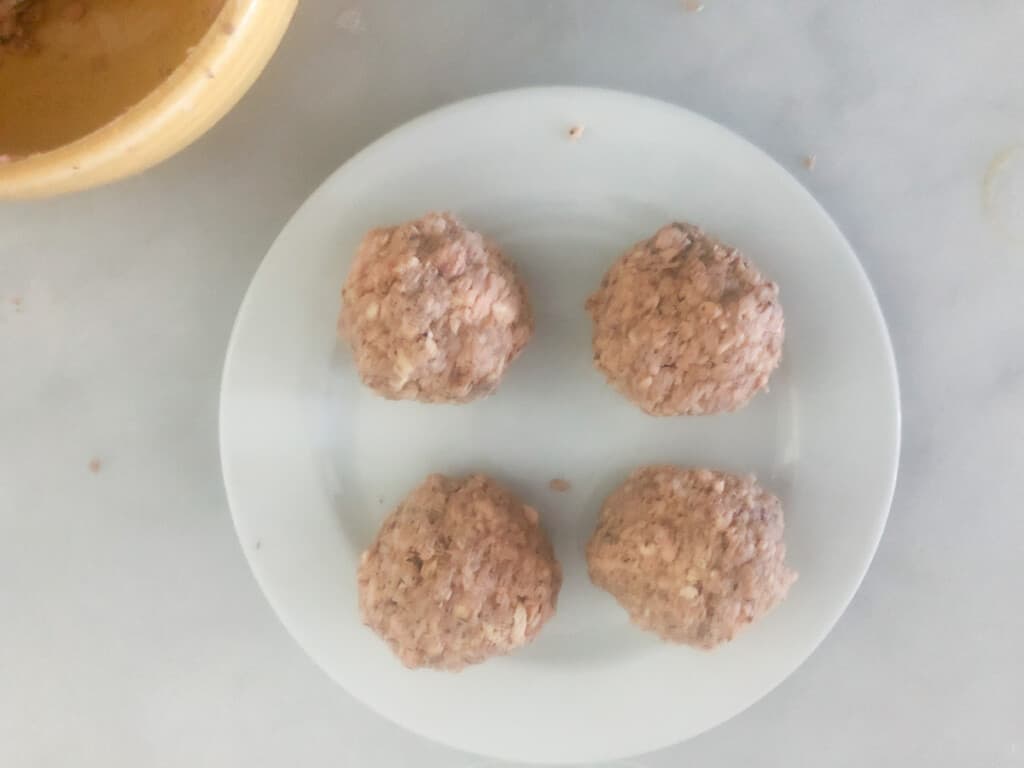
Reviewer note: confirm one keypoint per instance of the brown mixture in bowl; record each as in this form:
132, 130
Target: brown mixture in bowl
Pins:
14, 16
68, 67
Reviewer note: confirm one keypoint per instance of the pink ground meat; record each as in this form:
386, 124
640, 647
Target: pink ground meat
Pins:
686, 325
693, 555
461, 571
433, 312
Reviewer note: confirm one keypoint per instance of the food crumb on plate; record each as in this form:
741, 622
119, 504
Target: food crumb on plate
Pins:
576, 131
559, 485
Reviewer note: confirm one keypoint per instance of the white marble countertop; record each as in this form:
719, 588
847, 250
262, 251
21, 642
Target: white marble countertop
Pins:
133, 634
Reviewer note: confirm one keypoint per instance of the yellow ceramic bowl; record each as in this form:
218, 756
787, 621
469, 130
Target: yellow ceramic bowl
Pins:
109, 88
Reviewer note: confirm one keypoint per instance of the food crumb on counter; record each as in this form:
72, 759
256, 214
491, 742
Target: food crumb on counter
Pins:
810, 162
559, 485
95, 465
576, 132
693, 6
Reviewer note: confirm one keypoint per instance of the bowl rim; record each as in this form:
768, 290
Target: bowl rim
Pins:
234, 50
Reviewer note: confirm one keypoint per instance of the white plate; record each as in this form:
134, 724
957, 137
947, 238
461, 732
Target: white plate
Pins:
313, 461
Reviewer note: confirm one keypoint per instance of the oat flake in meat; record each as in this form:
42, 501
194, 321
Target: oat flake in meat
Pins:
433, 312
693, 555
461, 571
683, 324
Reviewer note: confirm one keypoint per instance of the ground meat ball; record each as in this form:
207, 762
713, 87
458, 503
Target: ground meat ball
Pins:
460, 572
686, 325
692, 555
433, 312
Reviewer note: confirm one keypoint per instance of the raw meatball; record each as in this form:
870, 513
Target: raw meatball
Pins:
692, 555
686, 325
433, 312
460, 572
